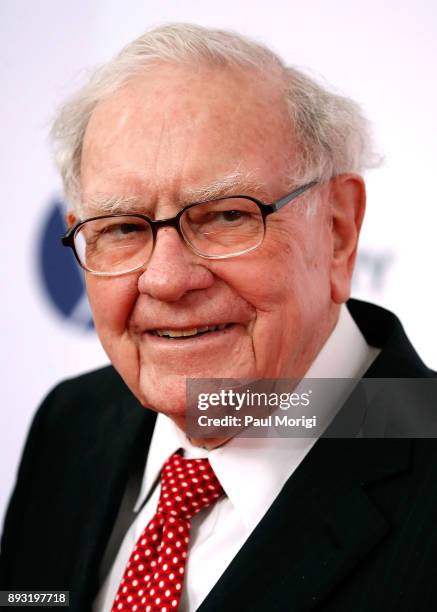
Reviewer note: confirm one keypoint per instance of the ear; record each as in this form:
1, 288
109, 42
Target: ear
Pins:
70, 218
348, 201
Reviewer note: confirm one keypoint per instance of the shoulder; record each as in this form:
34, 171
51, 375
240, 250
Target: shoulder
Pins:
382, 329
91, 385
98, 389
81, 418
84, 439
82, 411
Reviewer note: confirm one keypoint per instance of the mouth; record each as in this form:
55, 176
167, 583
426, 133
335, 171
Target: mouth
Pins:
194, 332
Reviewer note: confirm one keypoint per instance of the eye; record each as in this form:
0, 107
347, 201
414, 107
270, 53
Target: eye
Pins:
123, 228
112, 231
232, 215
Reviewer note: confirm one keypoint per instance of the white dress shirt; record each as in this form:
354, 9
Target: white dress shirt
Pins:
252, 471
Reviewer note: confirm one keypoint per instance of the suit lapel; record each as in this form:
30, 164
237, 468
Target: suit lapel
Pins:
316, 531
323, 523
120, 441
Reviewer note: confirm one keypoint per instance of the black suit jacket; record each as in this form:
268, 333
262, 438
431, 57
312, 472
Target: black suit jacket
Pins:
354, 528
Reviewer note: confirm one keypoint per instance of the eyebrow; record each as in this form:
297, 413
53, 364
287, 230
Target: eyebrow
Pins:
113, 204
235, 183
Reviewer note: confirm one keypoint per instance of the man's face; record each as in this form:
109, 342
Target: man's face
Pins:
165, 137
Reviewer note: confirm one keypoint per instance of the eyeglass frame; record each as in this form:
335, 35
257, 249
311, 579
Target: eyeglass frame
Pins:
265, 209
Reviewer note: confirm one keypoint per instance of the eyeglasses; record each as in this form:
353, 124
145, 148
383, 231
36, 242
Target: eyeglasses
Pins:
117, 244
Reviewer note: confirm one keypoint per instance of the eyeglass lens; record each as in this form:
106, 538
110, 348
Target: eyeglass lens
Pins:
218, 228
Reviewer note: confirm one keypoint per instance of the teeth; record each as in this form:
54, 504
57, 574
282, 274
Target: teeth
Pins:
174, 333
189, 332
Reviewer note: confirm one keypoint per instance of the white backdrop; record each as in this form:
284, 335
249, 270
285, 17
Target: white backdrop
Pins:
380, 53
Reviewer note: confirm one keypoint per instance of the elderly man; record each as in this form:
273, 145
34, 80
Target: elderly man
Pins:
216, 207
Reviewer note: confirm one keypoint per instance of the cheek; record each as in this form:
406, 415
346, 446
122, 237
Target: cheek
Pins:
264, 279
111, 301
287, 284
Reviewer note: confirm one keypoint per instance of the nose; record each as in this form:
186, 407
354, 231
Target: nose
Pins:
173, 269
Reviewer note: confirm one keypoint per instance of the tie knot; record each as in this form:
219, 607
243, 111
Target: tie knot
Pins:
187, 486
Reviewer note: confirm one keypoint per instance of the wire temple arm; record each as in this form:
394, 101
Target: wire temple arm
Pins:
291, 196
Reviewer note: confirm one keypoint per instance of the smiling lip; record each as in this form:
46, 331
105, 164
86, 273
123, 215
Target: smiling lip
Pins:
191, 332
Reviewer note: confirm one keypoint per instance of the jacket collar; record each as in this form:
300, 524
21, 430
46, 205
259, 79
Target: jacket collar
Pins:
121, 444
318, 529
323, 523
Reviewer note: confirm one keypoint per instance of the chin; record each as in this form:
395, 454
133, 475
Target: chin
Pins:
167, 396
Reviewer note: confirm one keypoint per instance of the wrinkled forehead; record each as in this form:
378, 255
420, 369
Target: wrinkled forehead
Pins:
174, 133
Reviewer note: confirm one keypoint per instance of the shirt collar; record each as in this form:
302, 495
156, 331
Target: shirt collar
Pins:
252, 471
167, 438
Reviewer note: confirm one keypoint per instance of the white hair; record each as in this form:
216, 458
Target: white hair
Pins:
331, 135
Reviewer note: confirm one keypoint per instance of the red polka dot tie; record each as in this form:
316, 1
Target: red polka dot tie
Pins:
154, 575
